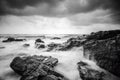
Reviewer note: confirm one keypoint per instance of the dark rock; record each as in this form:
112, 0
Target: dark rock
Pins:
26, 45
53, 46
39, 41
39, 44
87, 73
72, 42
69, 44
36, 68
10, 39
104, 49
103, 34
2, 47
56, 38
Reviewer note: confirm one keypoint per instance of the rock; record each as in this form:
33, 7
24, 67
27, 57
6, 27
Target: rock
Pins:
87, 73
72, 42
26, 45
2, 47
39, 44
53, 46
39, 41
10, 39
69, 44
103, 34
56, 38
36, 68
104, 49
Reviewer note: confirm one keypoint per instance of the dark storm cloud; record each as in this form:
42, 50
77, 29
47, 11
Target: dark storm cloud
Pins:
18, 7
10, 6
74, 6
23, 3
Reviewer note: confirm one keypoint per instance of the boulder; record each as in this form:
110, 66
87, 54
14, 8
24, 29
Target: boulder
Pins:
36, 68
87, 73
38, 41
39, 44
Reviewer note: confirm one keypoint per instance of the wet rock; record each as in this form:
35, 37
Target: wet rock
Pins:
53, 46
104, 49
39, 41
56, 38
87, 73
72, 42
26, 45
36, 68
103, 34
69, 44
39, 44
10, 39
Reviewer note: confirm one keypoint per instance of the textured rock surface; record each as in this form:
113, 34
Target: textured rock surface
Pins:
36, 68
39, 44
104, 48
87, 73
69, 44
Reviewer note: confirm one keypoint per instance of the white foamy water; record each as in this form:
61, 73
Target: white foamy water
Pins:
67, 64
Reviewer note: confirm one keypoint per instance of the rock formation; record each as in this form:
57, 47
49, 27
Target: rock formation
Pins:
104, 48
36, 68
39, 44
87, 73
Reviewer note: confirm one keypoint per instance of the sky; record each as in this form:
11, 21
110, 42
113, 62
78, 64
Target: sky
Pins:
58, 16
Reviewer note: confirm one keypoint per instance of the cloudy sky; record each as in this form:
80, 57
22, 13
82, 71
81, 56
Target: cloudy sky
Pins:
58, 16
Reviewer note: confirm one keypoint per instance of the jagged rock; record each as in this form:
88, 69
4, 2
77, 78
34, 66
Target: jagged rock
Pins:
69, 44
10, 39
87, 73
39, 41
105, 50
36, 68
53, 46
72, 42
39, 44
103, 34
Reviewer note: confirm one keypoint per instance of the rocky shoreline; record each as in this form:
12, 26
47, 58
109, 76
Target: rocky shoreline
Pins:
102, 48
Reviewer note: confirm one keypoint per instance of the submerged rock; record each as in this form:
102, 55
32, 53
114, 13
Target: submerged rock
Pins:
10, 39
36, 68
26, 45
87, 73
